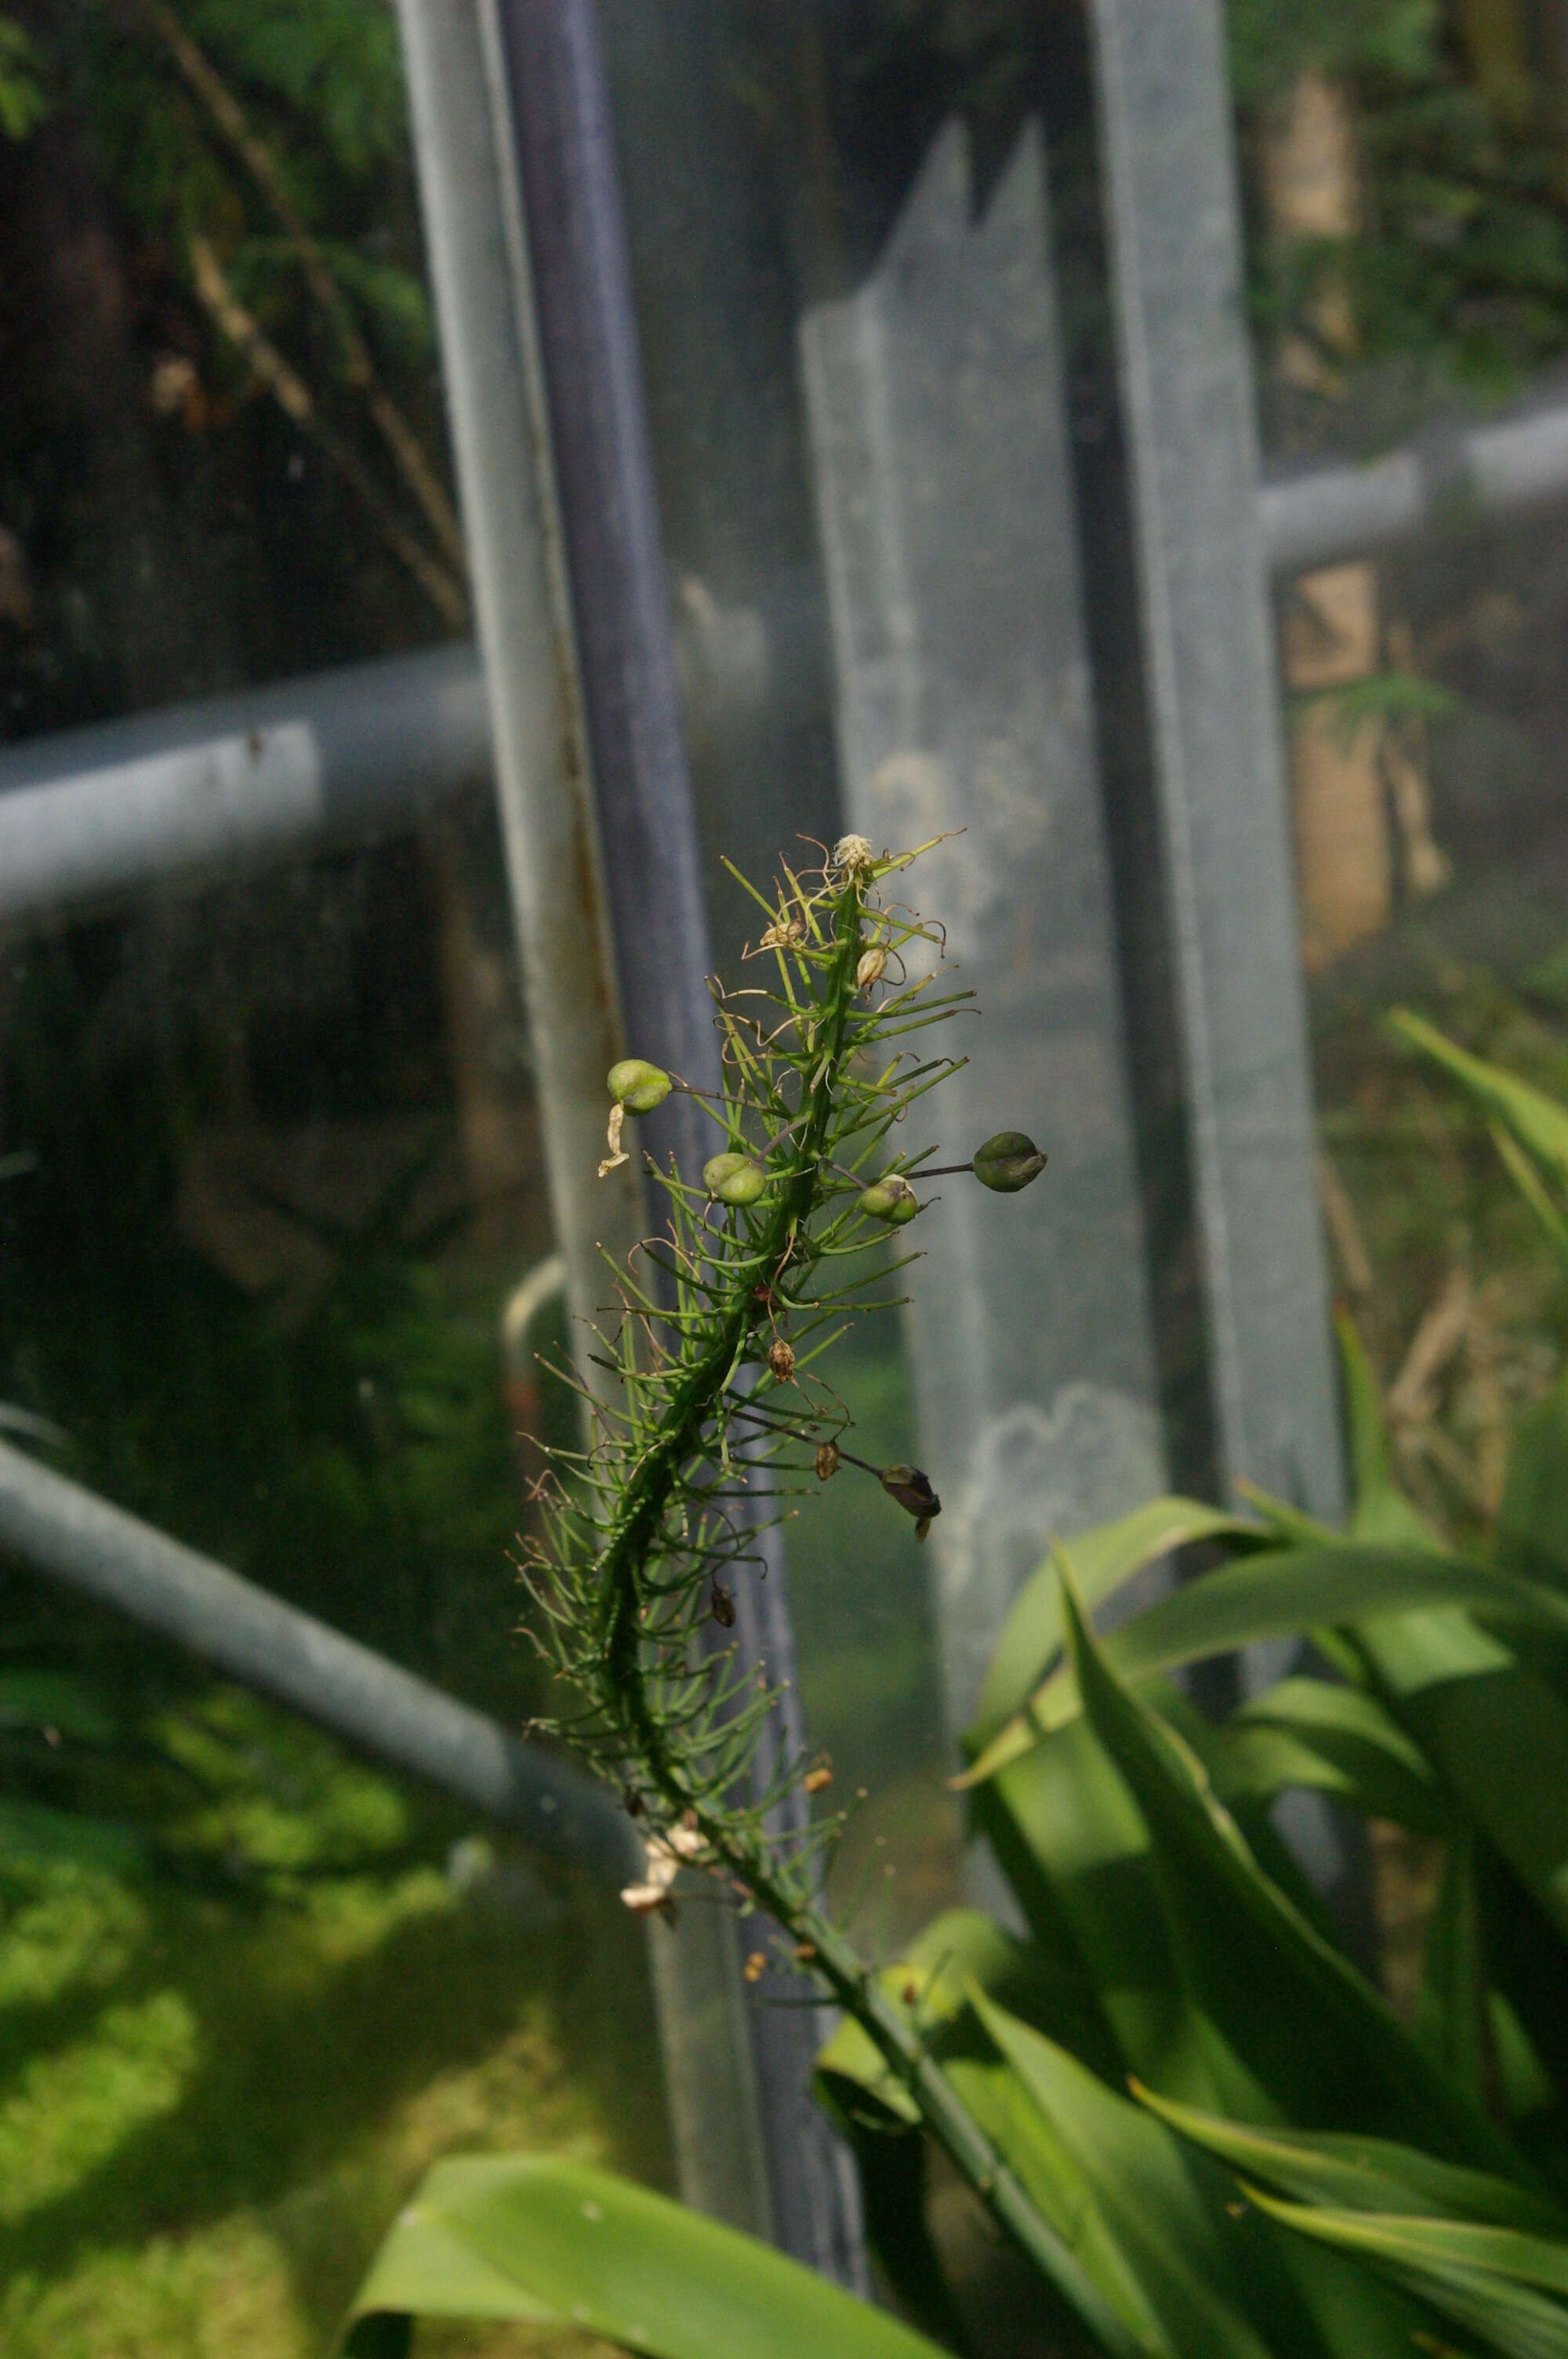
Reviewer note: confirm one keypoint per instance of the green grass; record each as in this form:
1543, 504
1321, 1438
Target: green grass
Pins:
211, 2109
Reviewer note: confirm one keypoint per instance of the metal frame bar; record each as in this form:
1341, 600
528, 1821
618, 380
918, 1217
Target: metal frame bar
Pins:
88, 816
67, 1534
550, 73
1186, 381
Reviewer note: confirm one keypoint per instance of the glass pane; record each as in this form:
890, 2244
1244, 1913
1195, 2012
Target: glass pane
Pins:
270, 1181
1407, 250
865, 271
1407, 254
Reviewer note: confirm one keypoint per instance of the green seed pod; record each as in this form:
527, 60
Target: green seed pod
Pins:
1008, 1162
639, 1085
891, 1199
734, 1179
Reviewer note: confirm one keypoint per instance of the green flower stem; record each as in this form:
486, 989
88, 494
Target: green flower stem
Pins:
623, 1589
942, 2109
618, 1573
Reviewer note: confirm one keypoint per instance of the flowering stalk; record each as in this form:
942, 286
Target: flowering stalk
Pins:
643, 1530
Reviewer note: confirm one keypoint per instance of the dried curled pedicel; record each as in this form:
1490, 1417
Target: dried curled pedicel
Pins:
1007, 1162
733, 1179
639, 1085
892, 1199
913, 1493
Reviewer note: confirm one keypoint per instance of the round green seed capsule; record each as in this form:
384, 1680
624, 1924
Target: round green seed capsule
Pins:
734, 1179
891, 1199
639, 1085
1008, 1162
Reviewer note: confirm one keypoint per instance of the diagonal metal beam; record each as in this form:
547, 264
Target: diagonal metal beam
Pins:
67, 1534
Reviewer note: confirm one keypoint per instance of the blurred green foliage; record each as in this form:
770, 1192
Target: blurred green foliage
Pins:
1458, 267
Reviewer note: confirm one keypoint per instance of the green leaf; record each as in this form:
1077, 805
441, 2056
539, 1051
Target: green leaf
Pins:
1496, 1734
557, 2243
1325, 2049
1216, 2277
1280, 1593
1367, 2174
1537, 1122
1380, 1512
1486, 2278
1450, 2006
1533, 1525
1332, 1740
1105, 1558
1295, 1590
1146, 2235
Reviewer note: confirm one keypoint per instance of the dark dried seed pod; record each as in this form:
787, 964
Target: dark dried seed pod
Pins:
723, 1606
913, 1493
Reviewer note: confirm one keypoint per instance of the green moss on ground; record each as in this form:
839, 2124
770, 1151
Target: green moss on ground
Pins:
211, 2109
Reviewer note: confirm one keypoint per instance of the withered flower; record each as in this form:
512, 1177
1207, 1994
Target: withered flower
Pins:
913, 1493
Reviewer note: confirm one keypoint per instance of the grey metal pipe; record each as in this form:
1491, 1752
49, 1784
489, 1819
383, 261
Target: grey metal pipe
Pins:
67, 1534
90, 814
573, 222
1447, 477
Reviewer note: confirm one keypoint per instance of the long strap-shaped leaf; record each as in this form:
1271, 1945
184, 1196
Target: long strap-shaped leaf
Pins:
557, 2243
1325, 2045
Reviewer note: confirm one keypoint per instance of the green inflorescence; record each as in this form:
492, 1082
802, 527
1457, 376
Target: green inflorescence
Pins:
645, 1530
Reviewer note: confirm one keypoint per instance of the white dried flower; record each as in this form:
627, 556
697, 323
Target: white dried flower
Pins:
852, 852
869, 970
643, 1899
617, 1121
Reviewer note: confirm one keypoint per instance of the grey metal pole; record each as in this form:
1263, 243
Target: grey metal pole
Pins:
88, 816
481, 270
67, 1534
574, 236
1187, 394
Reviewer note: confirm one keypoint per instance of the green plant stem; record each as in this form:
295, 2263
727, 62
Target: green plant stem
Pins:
619, 1569
942, 2109
746, 1856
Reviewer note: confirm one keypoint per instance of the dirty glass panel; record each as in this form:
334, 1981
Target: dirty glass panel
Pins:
271, 1200
1408, 258
1408, 263
864, 260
